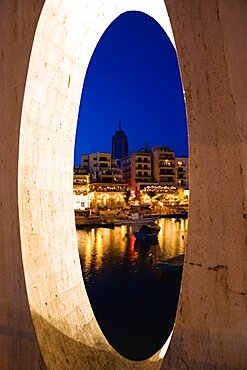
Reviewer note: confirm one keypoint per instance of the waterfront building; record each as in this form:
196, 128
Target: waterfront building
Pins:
163, 165
90, 195
156, 167
119, 145
108, 195
101, 167
81, 202
81, 178
137, 171
182, 172
81, 181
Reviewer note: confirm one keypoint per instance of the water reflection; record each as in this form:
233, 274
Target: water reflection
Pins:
127, 292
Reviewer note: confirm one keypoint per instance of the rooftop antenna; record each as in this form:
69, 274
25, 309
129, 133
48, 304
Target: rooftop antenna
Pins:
120, 128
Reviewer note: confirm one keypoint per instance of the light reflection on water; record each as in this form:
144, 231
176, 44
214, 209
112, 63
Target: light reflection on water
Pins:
127, 292
104, 248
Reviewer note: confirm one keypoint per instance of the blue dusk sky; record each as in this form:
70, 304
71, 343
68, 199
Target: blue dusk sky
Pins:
134, 76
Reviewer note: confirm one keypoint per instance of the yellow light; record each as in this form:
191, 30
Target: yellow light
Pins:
105, 195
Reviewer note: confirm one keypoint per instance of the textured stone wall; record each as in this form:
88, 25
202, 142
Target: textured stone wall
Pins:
40, 278
211, 324
18, 345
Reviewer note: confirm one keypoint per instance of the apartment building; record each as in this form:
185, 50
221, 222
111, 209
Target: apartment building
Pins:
137, 170
182, 172
101, 167
163, 165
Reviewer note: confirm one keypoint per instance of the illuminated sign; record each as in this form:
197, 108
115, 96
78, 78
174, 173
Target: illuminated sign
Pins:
132, 193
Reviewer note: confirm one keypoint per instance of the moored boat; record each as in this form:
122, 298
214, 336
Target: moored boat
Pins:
178, 215
172, 264
83, 220
147, 232
135, 219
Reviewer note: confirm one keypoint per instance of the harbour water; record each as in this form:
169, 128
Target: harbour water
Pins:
134, 302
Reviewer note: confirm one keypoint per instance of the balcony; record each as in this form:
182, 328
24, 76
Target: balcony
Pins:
167, 173
143, 160
166, 164
167, 179
141, 169
104, 165
142, 179
167, 156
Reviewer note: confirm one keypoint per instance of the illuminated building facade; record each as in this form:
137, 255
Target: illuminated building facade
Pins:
108, 195
182, 172
164, 171
89, 195
101, 167
81, 180
157, 167
137, 170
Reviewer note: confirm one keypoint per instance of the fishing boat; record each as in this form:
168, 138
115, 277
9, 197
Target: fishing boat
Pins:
147, 232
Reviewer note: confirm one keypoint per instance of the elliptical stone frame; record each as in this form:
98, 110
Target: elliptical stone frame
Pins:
44, 305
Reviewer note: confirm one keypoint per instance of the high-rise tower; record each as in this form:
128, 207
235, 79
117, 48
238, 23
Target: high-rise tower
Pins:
119, 144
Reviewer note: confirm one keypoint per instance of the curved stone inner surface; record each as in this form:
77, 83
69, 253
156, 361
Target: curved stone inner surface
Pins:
65, 39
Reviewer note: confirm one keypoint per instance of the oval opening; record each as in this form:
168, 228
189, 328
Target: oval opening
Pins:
133, 86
